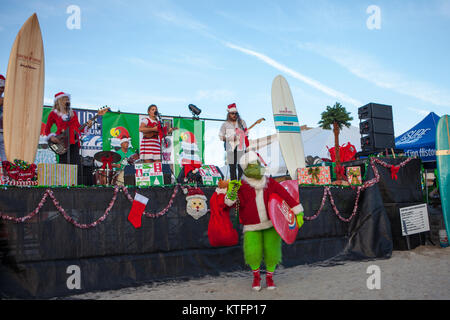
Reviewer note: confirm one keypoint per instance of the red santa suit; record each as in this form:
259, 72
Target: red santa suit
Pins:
254, 201
56, 117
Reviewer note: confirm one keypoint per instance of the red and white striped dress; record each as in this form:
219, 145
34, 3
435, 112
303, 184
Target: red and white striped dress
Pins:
150, 147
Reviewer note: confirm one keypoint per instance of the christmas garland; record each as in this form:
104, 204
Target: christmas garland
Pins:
327, 193
49, 193
367, 184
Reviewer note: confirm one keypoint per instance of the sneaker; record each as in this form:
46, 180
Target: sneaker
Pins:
269, 281
256, 285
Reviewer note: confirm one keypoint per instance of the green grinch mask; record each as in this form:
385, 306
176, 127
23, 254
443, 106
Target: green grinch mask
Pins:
254, 170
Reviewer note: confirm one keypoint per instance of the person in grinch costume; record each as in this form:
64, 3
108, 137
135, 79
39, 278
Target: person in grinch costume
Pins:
261, 241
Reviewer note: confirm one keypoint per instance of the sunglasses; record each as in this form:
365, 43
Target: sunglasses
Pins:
233, 113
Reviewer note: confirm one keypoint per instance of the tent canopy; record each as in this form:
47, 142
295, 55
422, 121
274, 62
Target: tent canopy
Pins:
420, 140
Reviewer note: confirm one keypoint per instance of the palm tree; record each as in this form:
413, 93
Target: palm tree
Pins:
336, 117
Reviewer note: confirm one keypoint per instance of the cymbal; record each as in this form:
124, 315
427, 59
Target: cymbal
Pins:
115, 156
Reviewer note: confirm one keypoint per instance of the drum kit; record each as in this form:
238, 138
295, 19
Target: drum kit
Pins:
105, 175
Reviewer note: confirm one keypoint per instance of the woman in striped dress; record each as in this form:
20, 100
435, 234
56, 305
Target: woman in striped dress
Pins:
151, 142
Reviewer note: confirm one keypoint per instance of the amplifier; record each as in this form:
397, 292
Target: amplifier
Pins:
129, 175
377, 126
375, 110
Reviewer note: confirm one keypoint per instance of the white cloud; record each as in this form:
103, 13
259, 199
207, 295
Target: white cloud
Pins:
214, 95
309, 81
370, 69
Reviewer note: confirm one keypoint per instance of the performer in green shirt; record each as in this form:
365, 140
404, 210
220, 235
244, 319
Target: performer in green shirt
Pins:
125, 153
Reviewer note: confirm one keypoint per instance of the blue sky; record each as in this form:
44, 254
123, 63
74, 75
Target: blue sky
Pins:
129, 54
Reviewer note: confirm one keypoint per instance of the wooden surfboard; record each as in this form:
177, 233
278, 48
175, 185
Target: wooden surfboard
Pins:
24, 93
287, 125
443, 166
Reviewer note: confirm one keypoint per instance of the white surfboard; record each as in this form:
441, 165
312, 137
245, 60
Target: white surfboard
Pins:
287, 125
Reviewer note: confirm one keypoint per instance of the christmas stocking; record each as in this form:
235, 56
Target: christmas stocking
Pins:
137, 209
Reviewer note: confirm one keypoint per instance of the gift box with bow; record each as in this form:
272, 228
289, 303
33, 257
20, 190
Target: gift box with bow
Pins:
319, 175
354, 175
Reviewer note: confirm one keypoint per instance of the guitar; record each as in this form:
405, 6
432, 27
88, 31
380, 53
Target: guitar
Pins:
241, 134
62, 147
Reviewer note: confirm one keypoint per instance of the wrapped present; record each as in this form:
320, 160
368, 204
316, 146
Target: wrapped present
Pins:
319, 175
354, 175
149, 174
50, 174
332, 166
303, 177
210, 175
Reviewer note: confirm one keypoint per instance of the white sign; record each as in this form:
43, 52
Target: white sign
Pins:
414, 219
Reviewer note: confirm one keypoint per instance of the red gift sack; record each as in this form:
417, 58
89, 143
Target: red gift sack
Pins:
347, 152
220, 229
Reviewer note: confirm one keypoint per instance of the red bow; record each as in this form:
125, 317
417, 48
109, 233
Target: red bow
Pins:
394, 171
107, 161
243, 138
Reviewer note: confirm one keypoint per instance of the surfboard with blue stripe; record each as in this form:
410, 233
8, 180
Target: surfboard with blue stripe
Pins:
287, 125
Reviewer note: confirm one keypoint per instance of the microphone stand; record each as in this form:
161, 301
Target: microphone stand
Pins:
160, 147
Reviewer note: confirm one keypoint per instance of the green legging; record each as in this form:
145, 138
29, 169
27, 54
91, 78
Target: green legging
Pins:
265, 243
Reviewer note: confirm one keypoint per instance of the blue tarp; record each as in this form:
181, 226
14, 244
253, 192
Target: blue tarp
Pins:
420, 140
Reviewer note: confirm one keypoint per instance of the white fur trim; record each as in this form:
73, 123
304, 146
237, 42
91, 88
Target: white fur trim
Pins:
262, 212
256, 183
260, 226
297, 209
221, 190
196, 196
49, 136
229, 202
140, 198
60, 96
232, 109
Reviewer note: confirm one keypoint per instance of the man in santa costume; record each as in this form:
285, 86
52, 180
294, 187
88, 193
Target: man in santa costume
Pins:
260, 238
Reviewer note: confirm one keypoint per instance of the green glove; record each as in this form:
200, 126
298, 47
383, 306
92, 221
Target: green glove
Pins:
233, 188
300, 220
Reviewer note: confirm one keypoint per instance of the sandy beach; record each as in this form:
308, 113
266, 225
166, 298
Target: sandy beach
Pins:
419, 274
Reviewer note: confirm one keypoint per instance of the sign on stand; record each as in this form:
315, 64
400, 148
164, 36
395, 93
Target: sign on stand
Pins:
414, 219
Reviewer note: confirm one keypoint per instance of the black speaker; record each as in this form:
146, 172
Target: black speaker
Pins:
129, 175
375, 110
378, 141
375, 125
167, 173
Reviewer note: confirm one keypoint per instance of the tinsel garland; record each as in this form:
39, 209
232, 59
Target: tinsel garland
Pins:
49, 193
367, 184
326, 193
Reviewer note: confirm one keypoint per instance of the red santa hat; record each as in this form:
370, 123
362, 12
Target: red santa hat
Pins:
250, 157
2, 81
195, 193
232, 108
59, 95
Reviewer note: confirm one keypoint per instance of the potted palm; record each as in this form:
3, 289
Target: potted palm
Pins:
335, 118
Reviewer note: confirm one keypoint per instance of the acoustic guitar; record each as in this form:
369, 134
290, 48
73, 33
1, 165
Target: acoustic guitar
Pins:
62, 147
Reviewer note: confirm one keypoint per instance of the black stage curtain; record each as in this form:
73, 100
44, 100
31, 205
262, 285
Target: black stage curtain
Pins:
112, 255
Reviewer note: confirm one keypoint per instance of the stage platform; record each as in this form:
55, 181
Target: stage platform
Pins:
107, 252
